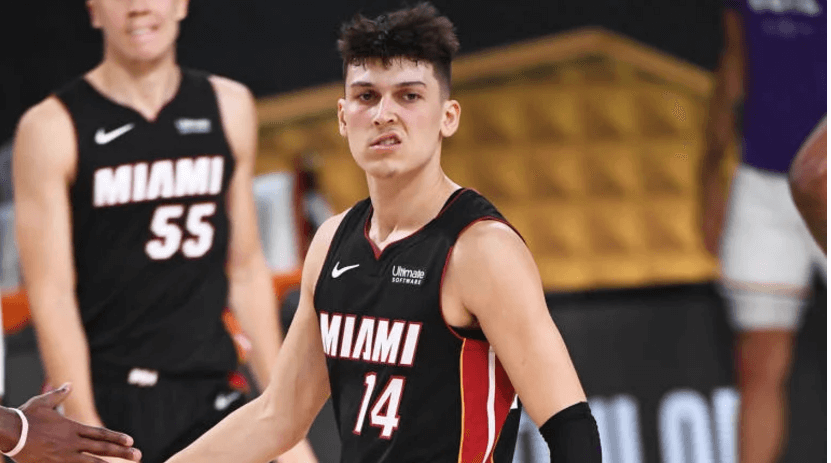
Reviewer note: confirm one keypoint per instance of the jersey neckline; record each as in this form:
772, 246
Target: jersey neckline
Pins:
378, 253
132, 110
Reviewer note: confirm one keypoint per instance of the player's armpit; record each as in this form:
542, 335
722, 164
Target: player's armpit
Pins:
43, 166
492, 275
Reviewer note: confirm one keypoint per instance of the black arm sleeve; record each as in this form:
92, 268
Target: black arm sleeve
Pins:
572, 435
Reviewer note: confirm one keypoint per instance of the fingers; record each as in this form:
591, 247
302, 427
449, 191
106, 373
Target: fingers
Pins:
105, 435
108, 449
54, 398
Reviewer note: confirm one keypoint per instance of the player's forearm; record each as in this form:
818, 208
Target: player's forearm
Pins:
65, 354
254, 304
252, 434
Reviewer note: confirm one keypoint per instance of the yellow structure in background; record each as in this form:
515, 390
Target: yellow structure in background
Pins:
588, 142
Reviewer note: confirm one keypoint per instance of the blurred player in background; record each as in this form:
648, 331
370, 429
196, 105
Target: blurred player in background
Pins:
136, 226
775, 60
421, 310
809, 183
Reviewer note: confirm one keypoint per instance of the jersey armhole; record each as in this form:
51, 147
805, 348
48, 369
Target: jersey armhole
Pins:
468, 333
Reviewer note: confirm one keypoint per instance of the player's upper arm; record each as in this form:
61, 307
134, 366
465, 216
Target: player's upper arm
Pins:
496, 279
239, 120
43, 166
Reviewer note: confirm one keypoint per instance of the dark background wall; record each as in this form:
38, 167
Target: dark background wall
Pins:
275, 46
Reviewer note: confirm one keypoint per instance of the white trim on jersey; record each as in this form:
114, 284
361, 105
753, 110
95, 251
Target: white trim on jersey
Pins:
491, 401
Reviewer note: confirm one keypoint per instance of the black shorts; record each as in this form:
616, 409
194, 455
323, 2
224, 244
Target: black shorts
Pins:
169, 415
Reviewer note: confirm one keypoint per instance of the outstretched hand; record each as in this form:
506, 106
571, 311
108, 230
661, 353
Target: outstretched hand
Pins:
54, 438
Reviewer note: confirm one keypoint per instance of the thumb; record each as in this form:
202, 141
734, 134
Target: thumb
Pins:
54, 398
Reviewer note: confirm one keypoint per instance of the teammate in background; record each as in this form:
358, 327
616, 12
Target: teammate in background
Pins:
421, 310
775, 59
136, 226
809, 183
49, 437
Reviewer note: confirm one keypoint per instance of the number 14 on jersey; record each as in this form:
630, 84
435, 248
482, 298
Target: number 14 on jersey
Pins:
384, 412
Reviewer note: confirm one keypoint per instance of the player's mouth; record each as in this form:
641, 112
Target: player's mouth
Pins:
143, 34
386, 142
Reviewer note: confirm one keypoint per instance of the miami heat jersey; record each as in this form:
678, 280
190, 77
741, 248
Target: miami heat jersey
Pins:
786, 77
150, 230
405, 386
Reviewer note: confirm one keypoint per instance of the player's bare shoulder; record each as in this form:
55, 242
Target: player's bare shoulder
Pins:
239, 114
487, 240
488, 259
45, 139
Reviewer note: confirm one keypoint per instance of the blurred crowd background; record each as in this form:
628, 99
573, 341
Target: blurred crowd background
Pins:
583, 120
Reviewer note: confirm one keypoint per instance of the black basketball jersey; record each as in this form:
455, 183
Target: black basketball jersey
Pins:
405, 386
150, 229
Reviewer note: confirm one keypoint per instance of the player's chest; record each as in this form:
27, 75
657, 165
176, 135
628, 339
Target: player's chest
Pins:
402, 283
119, 140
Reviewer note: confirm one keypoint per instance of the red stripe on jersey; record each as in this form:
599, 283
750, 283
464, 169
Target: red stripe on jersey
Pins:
487, 395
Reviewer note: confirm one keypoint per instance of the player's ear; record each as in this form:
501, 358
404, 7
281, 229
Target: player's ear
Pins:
93, 14
182, 9
341, 118
450, 118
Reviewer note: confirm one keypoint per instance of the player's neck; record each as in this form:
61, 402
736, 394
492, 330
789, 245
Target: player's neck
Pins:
145, 87
402, 206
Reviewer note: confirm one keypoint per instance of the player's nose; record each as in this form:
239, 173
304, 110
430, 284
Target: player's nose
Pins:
385, 112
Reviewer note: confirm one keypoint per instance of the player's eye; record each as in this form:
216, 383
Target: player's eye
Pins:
411, 96
366, 96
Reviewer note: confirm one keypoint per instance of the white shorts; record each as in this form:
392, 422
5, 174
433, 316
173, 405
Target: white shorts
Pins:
767, 254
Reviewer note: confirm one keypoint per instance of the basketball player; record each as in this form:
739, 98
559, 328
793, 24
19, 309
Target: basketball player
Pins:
775, 59
809, 183
37, 433
421, 310
136, 226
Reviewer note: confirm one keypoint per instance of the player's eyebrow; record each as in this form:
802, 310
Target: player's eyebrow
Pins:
409, 83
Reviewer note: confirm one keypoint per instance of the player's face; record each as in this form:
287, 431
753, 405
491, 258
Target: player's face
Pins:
138, 30
395, 117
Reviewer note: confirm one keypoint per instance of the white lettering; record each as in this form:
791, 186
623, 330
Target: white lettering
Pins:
161, 180
139, 182
329, 333
192, 176
387, 342
216, 175
410, 344
363, 346
685, 410
348, 331
111, 187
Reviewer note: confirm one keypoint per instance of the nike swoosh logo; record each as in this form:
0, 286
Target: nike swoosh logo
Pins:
336, 272
102, 137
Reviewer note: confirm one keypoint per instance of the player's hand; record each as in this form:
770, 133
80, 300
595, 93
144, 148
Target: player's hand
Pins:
713, 211
54, 438
300, 453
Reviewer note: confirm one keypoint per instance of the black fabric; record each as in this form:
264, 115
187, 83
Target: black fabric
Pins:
165, 418
572, 435
150, 229
405, 386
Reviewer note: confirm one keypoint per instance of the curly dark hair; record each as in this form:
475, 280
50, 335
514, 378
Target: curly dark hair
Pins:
418, 33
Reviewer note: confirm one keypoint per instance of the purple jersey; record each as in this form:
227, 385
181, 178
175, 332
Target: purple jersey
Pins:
786, 81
